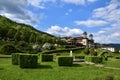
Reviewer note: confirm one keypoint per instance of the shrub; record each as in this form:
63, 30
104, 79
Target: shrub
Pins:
117, 57
79, 57
94, 59
110, 77
86, 51
47, 57
15, 58
8, 49
28, 60
65, 61
105, 58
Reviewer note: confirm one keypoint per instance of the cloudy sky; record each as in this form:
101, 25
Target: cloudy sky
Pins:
68, 17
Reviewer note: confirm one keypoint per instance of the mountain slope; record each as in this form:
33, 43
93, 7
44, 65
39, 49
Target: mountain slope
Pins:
12, 31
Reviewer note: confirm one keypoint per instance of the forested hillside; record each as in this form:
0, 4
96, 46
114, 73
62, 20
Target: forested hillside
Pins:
12, 31
17, 37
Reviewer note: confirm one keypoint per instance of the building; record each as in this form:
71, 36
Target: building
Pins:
112, 49
80, 41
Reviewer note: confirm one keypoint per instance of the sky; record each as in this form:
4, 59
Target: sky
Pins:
68, 17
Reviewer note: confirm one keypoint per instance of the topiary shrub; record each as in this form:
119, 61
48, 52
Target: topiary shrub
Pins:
15, 58
94, 59
46, 57
79, 57
28, 60
117, 57
86, 51
65, 61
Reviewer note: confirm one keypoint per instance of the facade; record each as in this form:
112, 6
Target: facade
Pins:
112, 49
80, 41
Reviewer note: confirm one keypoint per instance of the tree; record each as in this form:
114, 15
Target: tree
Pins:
32, 38
93, 52
25, 35
17, 36
11, 34
86, 51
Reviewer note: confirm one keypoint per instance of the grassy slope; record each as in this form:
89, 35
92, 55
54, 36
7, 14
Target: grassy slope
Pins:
51, 71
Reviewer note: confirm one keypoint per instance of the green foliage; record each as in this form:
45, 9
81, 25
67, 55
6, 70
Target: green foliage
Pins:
92, 52
117, 57
46, 57
79, 57
86, 51
70, 46
12, 31
28, 60
15, 58
23, 46
94, 59
65, 61
8, 49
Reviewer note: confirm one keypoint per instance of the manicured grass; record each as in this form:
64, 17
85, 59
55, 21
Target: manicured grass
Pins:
51, 71
113, 63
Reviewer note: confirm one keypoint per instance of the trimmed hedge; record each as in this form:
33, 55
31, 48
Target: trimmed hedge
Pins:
65, 61
15, 58
117, 57
28, 60
46, 57
94, 59
61, 50
79, 57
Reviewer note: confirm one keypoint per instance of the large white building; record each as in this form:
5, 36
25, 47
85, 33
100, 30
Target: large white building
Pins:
112, 49
82, 40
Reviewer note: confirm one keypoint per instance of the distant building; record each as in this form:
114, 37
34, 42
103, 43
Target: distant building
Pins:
79, 41
112, 49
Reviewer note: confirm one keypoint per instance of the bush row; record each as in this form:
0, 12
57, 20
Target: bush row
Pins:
79, 57
28, 60
61, 50
94, 59
25, 60
46, 57
65, 61
31, 60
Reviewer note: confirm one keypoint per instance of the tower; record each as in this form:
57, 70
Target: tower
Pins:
91, 37
85, 34
85, 39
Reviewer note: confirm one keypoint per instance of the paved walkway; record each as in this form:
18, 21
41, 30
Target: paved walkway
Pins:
97, 65
103, 66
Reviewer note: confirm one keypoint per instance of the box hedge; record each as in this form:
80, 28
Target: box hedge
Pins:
28, 60
15, 58
79, 57
65, 61
46, 57
94, 59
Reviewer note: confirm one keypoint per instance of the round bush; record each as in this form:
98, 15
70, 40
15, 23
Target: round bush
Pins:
8, 49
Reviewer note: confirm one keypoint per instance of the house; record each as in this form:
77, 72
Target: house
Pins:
79, 41
112, 49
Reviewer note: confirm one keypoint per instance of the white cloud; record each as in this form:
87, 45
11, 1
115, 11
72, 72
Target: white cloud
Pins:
66, 31
92, 1
91, 23
78, 2
40, 3
17, 11
68, 12
111, 14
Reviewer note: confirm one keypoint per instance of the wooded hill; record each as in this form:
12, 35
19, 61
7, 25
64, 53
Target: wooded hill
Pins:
12, 31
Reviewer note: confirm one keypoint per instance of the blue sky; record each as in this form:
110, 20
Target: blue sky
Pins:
68, 17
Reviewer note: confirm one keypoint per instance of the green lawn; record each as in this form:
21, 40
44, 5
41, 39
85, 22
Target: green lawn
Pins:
51, 71
113, 63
